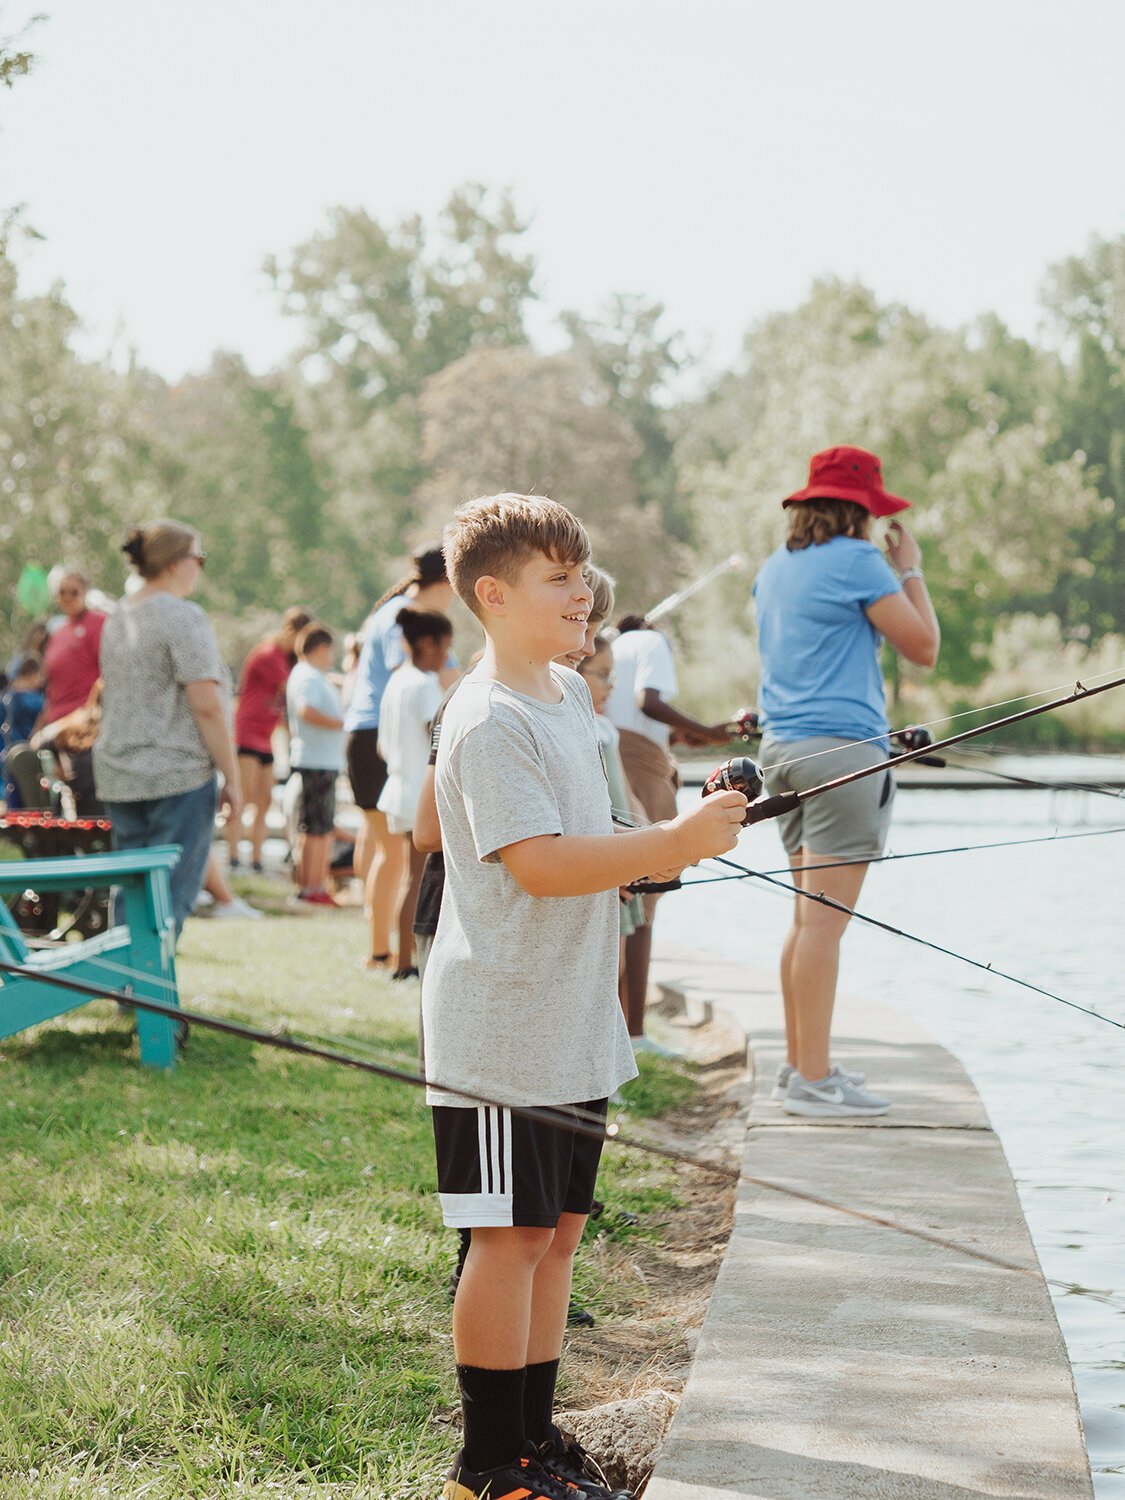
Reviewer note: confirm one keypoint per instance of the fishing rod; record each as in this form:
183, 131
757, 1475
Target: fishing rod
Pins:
746, 724
732, 564
965, 713
572, 1120
742, 773
1096, 787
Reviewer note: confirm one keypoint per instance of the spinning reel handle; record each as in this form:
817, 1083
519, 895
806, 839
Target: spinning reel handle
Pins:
738, 775
916, 737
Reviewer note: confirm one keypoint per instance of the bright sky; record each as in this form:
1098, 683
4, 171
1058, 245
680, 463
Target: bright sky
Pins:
715, 154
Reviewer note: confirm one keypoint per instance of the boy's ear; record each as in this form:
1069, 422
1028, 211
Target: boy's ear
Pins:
490, 594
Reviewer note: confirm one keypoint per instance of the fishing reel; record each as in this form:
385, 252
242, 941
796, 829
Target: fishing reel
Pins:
916, 737
746, 724
738, 775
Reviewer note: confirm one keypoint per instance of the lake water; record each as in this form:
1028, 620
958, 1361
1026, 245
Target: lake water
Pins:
1052, 1079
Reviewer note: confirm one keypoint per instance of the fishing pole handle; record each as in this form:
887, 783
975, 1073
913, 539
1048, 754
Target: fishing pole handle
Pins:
772, 807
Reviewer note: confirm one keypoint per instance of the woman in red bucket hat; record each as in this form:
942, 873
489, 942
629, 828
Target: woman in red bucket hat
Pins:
826, 600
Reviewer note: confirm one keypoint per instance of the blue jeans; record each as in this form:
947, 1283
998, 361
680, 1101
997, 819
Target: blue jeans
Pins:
187, 819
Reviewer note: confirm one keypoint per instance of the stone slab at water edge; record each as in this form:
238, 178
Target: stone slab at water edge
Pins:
839, 1358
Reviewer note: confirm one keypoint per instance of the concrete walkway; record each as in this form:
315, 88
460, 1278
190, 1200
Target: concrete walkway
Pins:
839, 1358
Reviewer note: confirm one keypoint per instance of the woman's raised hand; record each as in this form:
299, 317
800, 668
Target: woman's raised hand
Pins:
902, 550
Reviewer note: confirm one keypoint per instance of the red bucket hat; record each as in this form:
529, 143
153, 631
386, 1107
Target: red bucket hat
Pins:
849, 474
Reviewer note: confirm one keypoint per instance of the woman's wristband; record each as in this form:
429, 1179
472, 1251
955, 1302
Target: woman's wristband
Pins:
911, 573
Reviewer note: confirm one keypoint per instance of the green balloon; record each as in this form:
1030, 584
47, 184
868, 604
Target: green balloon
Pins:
32, 591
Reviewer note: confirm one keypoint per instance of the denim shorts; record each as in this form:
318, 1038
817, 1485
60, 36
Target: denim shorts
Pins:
187, 819
851, 823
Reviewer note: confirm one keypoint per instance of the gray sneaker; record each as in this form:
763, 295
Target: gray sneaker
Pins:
831, 1098
786, 1071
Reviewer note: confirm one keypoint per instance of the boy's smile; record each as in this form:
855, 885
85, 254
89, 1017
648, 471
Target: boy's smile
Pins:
546, 606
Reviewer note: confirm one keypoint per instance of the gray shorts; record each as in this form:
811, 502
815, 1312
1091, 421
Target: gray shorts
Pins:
851, 823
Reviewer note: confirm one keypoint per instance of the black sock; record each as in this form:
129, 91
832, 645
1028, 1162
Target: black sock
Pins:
492, 1404
539, 1401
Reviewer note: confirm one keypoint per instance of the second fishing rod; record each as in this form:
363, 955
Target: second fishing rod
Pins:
742, 774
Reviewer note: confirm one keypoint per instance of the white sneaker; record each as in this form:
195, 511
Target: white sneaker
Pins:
236, 908
786, 1071
831, 1098
646, 1044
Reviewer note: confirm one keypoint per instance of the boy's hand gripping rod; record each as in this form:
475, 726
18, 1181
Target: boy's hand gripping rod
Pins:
742, 774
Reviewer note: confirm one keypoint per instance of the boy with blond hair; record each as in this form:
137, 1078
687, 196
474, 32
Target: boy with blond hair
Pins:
514, 1009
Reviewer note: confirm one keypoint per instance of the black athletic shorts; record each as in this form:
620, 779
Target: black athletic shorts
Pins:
496, 1169
367, 770
316, 812
263, 757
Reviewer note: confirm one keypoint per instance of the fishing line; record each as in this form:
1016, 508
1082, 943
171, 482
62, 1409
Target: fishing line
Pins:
883, 859
1046, 786
914, 938
572, 1119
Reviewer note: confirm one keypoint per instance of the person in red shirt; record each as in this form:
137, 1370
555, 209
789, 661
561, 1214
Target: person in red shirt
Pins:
261, 706
70, 661
71, 665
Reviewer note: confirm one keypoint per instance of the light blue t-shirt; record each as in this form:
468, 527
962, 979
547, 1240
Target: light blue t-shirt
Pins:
383, 650
312, 748
820, 652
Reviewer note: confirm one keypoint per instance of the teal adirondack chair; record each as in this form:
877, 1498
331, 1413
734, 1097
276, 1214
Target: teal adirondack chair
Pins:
144, 945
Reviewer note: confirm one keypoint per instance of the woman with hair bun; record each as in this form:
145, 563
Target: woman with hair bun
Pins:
165, 730
379, 854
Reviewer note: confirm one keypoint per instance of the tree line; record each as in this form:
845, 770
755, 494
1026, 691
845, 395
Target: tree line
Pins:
415, 384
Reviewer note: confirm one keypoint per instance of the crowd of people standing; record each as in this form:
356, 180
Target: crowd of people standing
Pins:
142, 715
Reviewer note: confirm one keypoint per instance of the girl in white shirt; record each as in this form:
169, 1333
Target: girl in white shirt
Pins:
411, 700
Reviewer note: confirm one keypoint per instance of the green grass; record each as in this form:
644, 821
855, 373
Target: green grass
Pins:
230, 1279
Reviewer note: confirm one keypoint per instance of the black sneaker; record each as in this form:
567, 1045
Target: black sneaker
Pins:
578, 1317
524, 1478
569, 1461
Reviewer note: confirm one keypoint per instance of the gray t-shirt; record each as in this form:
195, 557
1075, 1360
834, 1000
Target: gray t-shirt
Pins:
520, 1001
149, 744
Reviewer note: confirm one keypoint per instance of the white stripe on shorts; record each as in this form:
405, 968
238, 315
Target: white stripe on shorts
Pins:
493, 1204
494, 1142
476, 1210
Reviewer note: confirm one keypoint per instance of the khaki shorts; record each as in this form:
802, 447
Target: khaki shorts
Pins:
653, 780
851, 823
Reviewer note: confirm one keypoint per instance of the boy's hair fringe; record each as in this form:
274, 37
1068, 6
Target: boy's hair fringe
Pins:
495, 535
814, 522
604, 589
